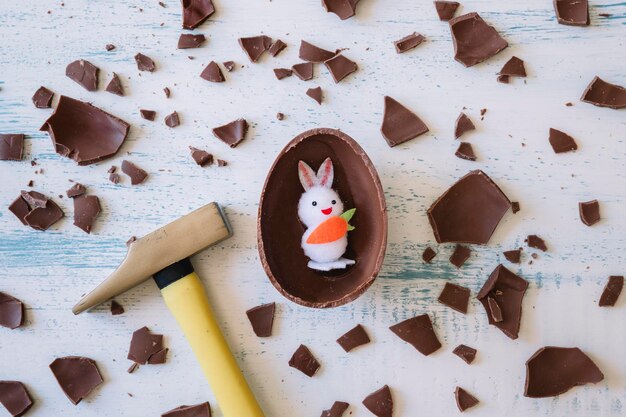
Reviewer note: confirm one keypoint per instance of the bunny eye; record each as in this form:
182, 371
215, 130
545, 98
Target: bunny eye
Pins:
314, 203
334, 202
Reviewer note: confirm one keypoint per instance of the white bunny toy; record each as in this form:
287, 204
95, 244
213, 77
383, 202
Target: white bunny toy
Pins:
321, 210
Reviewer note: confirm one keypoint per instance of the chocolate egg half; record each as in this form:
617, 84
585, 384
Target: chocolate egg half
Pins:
280, 230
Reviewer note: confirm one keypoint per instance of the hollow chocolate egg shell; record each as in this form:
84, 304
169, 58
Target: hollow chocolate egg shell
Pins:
279, 230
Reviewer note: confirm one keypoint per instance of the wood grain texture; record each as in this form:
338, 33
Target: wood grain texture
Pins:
50, 271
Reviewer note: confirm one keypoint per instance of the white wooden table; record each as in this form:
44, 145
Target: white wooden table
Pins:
49, 271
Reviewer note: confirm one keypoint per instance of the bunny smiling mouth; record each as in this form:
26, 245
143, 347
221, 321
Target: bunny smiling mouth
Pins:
327, 211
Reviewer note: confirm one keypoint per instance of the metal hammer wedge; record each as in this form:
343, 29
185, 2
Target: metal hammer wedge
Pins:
164, 254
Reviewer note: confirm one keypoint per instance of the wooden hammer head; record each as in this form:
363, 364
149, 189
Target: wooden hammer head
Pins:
180, 239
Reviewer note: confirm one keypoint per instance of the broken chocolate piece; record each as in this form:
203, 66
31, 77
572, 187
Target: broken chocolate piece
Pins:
34, 199
340, 67
115, 86
316, 94
428, 255
419, 332
536, 242
11, 147
116, 308
353, 338
513, 256
11, 311
552, 371
132, 367
603, 94
337, 410
589, 212
460, 255
144, 63
143, 345
86, 209
77, 376
221, 163
42, 99
400, 124
189, 41
76, 190
503, 79
612, 291
474, 40
109, 47
380, 402
41, 218
494, 309
213, 73
83, 132
507, 289
561, 142
280, 116
232, 133
446, 9
515, 207
304, 361
198, 410
201, 157
455, 297
158, 358
514, 67
462, 125
408, 42
255, 46
468, 354
281, 73
172, 120
84, 73
148, 114
195, 12
304, 70
277, 47
136, 174
229, 65
311, 53
464, 399
465, 151
15, 398
469, 211
572, 12
20, 208
262, 319
344, 9
114, 178
167, 92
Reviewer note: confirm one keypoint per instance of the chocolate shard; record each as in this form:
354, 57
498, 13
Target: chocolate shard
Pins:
116, 308
148, 114
354, 338
277, 47
198, 410
344, 9
455, 297
514, 67
552, 371
190, 41
143, 345
513, 256
400, 124
172, 120
303, 70
603, 94
469, 211
76, 190
462, 125
589, 212
262, 319
229, 65
167, 92
474, 40
311, 53
84, 73
136, 174
612, 291
337, 410
561, 142
494, 309
536, 242
221, 163
86, 209
11, 147
115, 86
281, 73
304, 361
515, 207
464, 399
83, 132
340, 67
34, 199
42, 218
114, 178
468, 354
201, 157
255, 46
316, 94
15, 398
77, 376
232, 133
408, 42
11, 311
446, 9
20, 208
158, 358
503, 79
465, 151
418, 331
109, 47
380, 402
428, 255
42, 99
460, 255
572, 12
144, 63
507, 289
195, 12
280, 116
213, 73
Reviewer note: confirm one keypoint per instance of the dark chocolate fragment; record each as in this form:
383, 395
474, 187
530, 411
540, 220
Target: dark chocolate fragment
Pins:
109, 47
221, 163
167, 92
354, 338
262, 319
42, 99
419, 332
198, 410
281, 73
229, 65
515, 207
148, 114
77, 376
464, 399
84, 73
304, 70
337, 410
15, 398
513, 256
344, 9
446, 9
304, 361
561, 142
158, 358
189, 41
280, 116
83, 132
277, 47
428, 255
20, 208
340, 67
572, 12
311, 53
112, 169
507, 289
136, 174
255, 46
408, 42
232, 133
503, 79
76, 190
380, 403
34, 199
468, 354
612, 291
460, 255
114, 178
589, 212
195, 12
143, 345
11, 147
316, 94
213, 73
86, 209
132, 367
465, 151
400, 124
552, 371
536, 242
11, 311
144, 63
462, 125
172, 120
514, 67
455, 297
603, 94
41, 218
115, 86
116, 308
494, 309
474, 40
201, 157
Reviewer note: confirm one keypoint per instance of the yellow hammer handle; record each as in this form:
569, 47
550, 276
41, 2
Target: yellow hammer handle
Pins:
186, 299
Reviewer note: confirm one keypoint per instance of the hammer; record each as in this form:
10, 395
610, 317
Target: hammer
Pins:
164, 254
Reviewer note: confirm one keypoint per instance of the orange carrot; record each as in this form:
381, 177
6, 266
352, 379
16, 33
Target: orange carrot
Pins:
329, 230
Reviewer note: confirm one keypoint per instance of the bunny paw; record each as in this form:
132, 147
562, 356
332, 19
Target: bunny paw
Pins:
341, 263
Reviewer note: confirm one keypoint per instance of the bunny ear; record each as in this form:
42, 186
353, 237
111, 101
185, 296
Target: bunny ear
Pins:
306, 175
326, 174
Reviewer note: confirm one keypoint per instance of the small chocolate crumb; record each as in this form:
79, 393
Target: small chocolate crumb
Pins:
229, 65
201, 157
148, 114
221, 163
337, 410
114, 178
109, 47
76, 190
465, 151
190, 41
167, 92
515, 207
536, 242
277, 47
462, 125
280, 116
513, 256
116, 308
115, 86
136, 174
428, 255
408, 42
199, 410
42, 99
281, 73
172, 120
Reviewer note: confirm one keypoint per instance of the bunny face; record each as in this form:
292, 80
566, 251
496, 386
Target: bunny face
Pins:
319, 201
